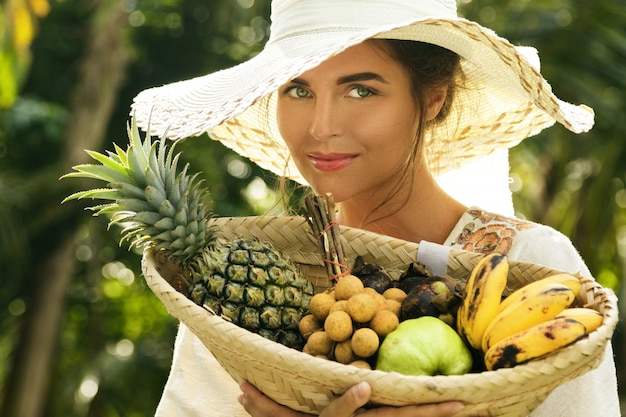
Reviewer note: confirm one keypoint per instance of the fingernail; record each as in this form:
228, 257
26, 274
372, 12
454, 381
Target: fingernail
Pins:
361, 390
456, 407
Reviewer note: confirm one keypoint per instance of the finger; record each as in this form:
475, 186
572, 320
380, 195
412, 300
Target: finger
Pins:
346, 405
259, 405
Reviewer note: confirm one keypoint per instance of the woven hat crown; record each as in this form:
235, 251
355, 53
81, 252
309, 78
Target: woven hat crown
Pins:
296, 17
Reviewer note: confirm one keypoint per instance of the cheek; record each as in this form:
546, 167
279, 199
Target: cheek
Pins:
393, 134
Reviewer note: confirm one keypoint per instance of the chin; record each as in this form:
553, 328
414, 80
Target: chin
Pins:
339, 194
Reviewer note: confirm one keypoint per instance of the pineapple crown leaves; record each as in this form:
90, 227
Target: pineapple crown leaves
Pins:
154, 205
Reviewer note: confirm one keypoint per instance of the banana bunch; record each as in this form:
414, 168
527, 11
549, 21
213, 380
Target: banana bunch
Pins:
533, 321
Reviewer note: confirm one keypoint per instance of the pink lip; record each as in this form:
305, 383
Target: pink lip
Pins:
331, 161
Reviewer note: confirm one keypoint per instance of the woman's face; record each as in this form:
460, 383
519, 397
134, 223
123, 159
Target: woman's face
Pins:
350, 122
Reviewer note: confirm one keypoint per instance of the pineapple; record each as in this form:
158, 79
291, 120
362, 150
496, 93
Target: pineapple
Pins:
244, 280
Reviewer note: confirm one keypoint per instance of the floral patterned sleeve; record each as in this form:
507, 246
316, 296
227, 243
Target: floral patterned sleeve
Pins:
484, 232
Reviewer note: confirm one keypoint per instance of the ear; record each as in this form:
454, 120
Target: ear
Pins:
434, 101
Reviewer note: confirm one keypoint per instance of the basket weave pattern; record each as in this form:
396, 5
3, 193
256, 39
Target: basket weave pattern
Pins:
307, 383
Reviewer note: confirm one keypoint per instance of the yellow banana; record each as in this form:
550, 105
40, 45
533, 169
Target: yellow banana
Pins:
589, 317
534, 342
535, 287
481, 297
544, 305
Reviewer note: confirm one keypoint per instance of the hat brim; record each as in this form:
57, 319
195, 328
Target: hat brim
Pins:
503, 101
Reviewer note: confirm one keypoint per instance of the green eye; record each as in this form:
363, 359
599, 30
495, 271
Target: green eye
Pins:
299, 92
361, 92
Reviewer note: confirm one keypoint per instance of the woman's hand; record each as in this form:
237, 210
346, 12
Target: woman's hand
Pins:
349, 404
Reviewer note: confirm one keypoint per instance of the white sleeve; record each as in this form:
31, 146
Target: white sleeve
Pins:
591, 394
197, 385
544, 245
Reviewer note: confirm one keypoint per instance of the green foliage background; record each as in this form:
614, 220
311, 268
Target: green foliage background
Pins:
110, 355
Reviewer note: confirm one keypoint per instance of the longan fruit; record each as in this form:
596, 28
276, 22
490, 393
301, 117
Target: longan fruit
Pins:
338, 326
308, 324
384, 322
320, 305
318, 344
343, 352
364, 342
347, 286
362, 307
378, 298
393, 306
360, 363
394, 294
340, 305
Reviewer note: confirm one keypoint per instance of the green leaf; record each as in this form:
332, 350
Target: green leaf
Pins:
100, 172
107, 161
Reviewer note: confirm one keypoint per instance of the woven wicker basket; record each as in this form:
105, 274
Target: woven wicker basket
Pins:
305, 383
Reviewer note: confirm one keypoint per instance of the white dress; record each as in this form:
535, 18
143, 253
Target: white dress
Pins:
198, 386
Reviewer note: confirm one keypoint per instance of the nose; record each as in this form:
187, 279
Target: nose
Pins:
326, 119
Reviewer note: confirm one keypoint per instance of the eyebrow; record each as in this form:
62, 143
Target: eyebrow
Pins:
346, 79
362, 76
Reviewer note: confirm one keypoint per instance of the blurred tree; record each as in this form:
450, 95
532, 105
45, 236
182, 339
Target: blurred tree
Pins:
20, 21
89, 109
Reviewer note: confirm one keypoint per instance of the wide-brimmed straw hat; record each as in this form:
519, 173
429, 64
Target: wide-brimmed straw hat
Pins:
504, 99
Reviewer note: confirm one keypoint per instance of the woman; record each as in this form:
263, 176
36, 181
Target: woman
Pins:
374, 102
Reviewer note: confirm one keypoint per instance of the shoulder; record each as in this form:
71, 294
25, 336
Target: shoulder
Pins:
482, 231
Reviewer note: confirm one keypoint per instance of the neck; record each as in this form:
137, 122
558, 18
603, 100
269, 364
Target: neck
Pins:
424, 212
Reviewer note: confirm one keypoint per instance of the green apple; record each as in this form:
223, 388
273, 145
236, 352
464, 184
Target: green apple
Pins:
424, 346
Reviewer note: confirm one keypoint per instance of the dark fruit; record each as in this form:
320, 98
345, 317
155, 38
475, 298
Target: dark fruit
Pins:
416, 269
437, 296
407, 284
372, 275
414, 276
